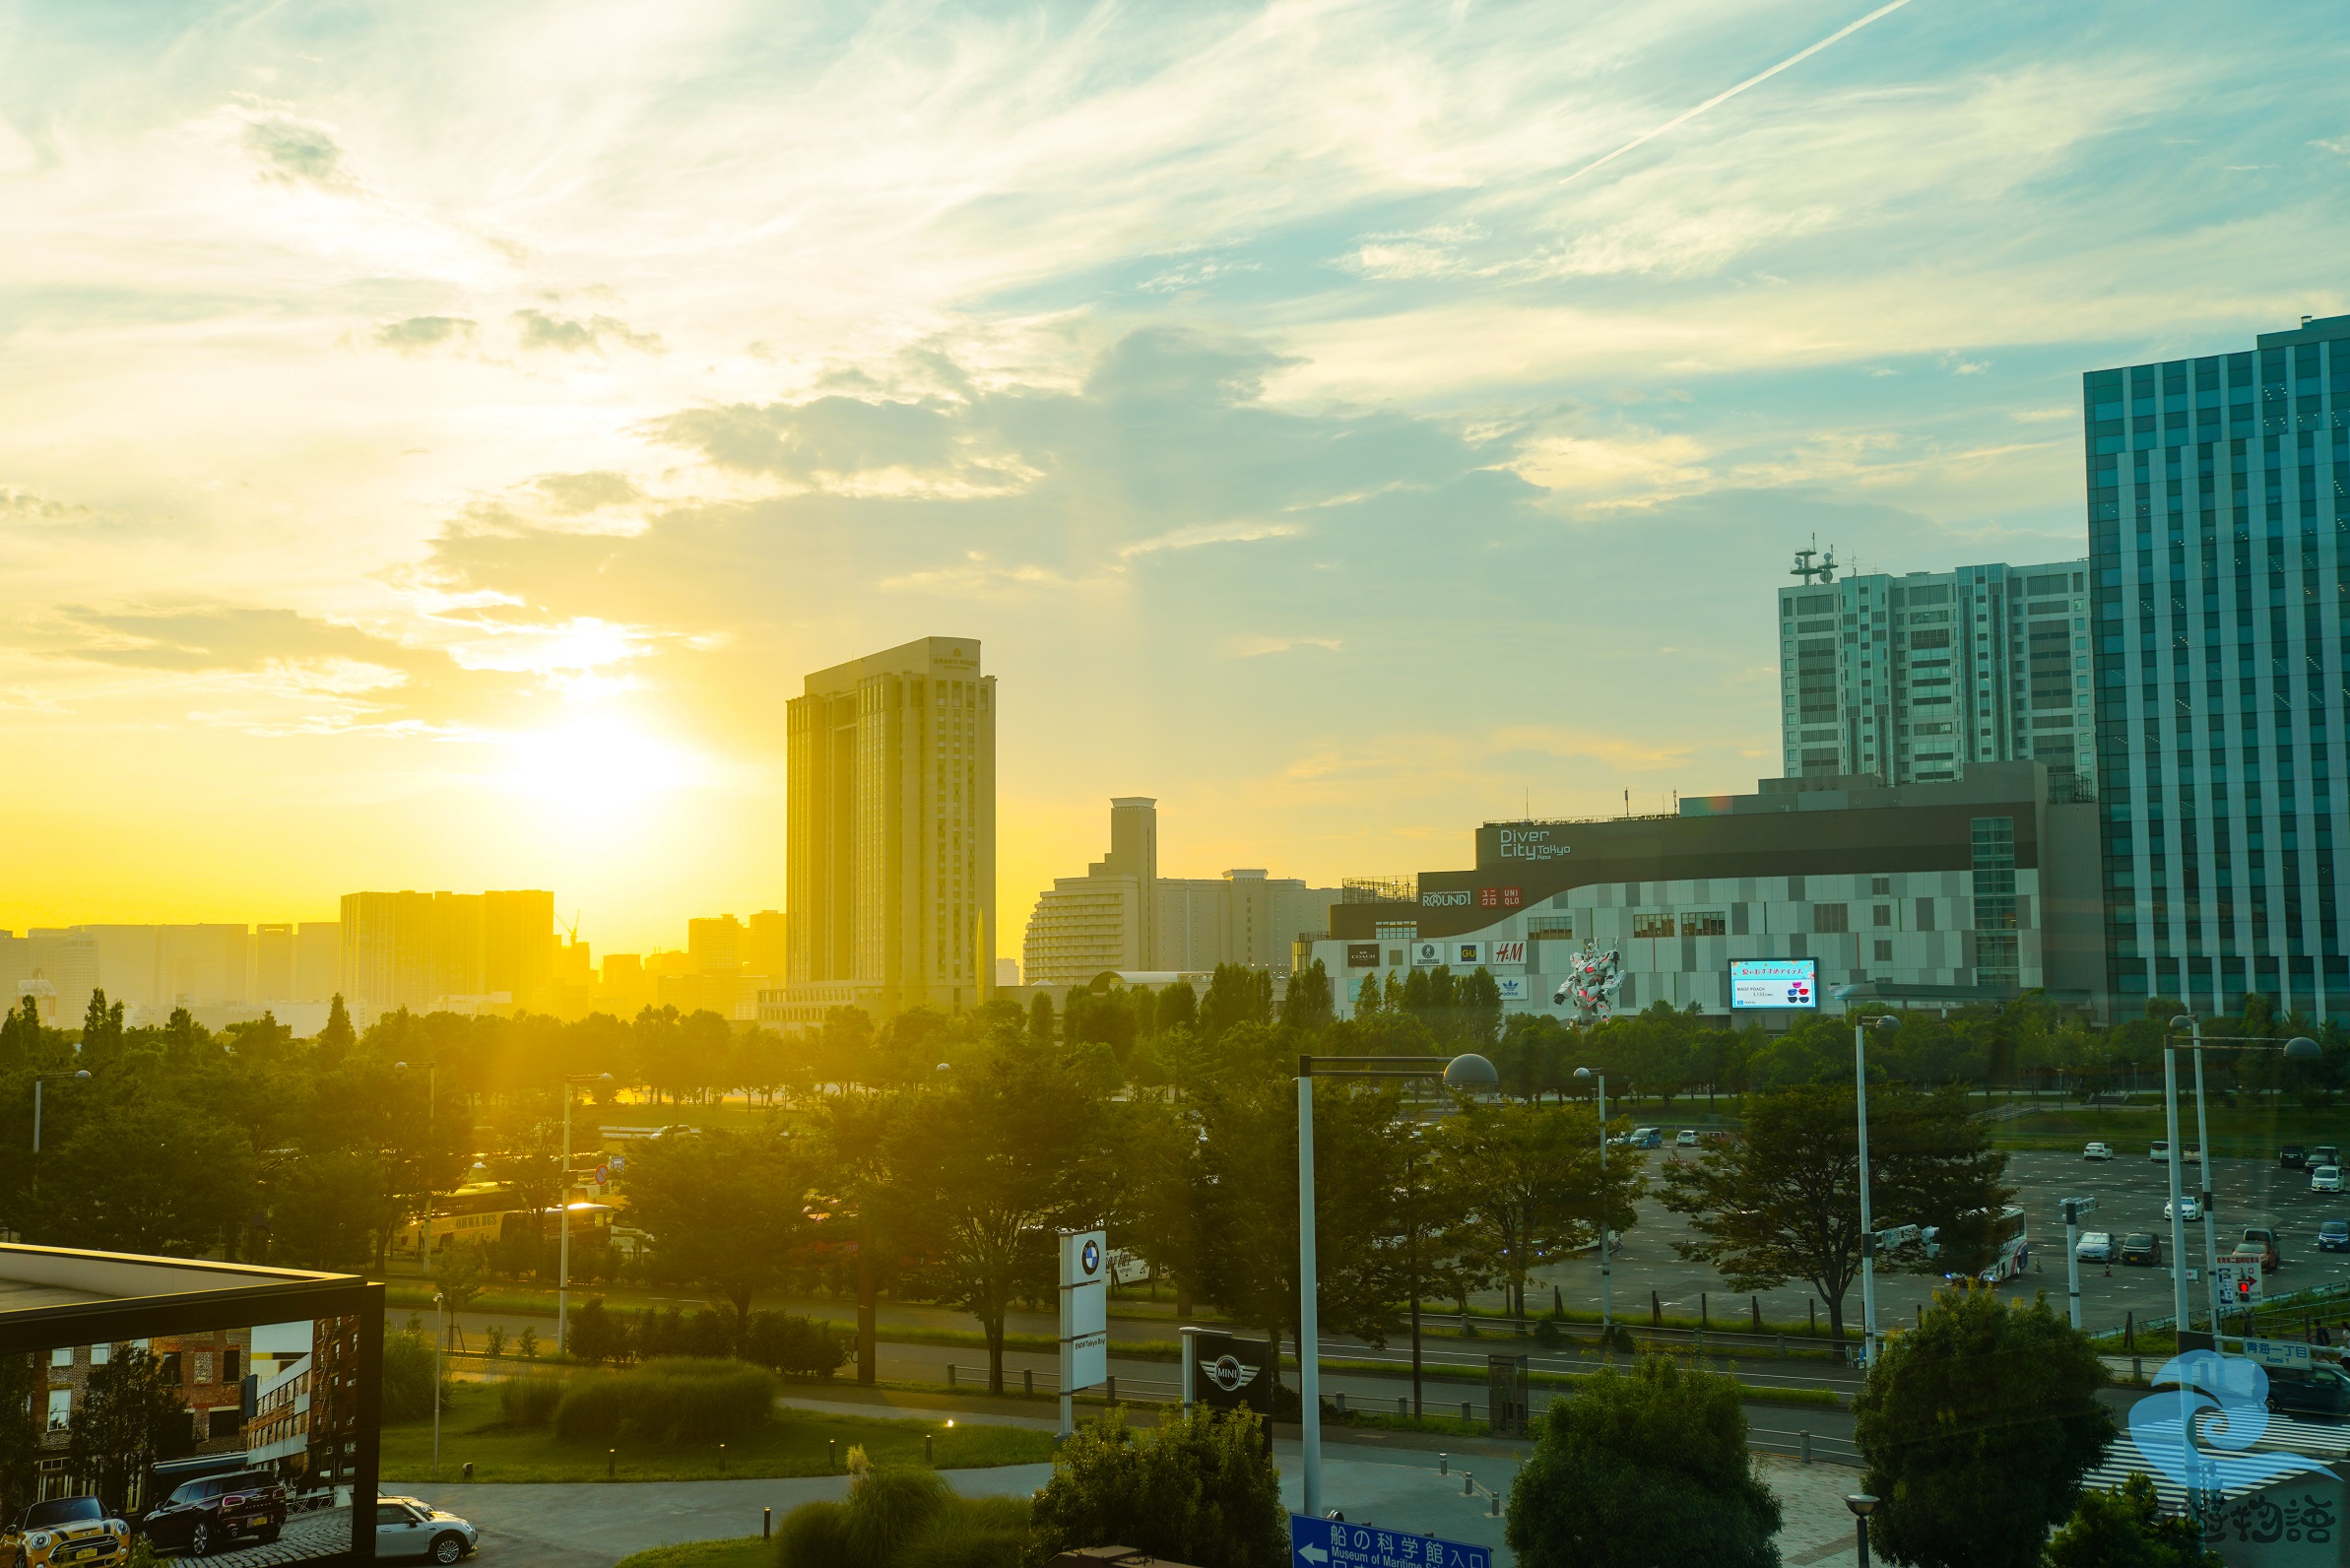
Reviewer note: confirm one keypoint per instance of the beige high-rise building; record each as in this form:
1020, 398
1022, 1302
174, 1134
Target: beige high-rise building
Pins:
890, 889
418, 950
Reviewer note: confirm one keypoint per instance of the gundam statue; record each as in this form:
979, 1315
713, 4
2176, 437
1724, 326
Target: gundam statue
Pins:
1592, 980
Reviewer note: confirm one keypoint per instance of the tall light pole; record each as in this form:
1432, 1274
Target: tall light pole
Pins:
440, 1321
1861, 1025
562, 1204
1584, 1075
1469, 1072
431, 1102
2297, 1048
79, 1073
2074, 1208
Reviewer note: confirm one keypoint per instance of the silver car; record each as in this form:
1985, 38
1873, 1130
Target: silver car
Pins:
408, 1527
2095, 1246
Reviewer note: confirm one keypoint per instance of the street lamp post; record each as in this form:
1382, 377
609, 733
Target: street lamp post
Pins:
1861, 1505
79, 1073
1861, 1025
1469, 1071
562, 1204
432, 1104
1584, 1075
2074, 1208
441, 1322
2297, 1048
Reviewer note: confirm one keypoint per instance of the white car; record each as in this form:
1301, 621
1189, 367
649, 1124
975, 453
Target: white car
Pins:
408, 1527
2160, 1153
2326, 1179
2097, 1151
2191, 1208
1687, 1137
2095, 1246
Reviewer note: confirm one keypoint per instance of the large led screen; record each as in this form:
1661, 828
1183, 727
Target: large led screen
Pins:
1775, 983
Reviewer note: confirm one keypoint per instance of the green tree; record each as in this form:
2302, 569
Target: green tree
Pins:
1177, 1007
1196, 1490
102, 1032
338, 1037
325, 1208
982, 1172
459, 1274
1641, 1468
2126, 1528
726, 1209
144, 1174
1983, 1400
1306, 1002
20, 1437
128, 1419
1236, 994
1783, 1202
21, 1035
1041, 1020
1530, 1176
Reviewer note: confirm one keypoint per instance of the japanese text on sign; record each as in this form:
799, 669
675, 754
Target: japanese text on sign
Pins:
1332, 1544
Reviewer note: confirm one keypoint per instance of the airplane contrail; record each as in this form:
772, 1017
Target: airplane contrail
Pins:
1845, 32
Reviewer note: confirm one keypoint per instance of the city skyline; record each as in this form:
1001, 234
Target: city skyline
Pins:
377, 453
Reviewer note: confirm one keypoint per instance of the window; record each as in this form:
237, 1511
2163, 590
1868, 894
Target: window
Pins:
1549, 927
1881, 885
1829, 918
1884, 915
61, 1407
63, 1355
1652, 925
1704, 923
100, 1355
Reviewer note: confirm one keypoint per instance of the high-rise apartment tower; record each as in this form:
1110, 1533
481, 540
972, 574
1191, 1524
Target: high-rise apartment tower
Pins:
890, 888
1912, 678
2219, 511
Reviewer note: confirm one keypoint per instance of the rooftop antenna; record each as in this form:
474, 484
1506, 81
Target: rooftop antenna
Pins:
1827, 566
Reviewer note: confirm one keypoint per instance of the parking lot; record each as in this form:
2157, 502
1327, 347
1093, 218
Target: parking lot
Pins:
2130, 1191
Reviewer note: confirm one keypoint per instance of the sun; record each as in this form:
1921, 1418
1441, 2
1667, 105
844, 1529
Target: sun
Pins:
597, 766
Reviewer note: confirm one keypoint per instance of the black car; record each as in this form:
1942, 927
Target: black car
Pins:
2142, 1247
2292, 1157
2319, 1390
2333, 1235
203, 1516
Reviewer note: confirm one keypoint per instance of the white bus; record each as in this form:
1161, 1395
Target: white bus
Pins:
2013, 1247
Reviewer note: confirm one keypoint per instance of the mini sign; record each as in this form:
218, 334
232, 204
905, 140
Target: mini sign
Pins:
1334, 1544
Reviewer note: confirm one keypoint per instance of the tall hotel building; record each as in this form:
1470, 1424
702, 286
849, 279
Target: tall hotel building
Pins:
1913, 677
890, 889
2219, 496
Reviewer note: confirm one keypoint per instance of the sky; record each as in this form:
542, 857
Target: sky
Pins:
436, 439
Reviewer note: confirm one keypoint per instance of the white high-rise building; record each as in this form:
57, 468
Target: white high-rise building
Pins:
1912, 678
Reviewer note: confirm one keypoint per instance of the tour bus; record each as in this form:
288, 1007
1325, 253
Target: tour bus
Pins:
2012, 1254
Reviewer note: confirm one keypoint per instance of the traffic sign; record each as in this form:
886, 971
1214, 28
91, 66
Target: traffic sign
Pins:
2238, 1283
2288, 1353
1334, 1544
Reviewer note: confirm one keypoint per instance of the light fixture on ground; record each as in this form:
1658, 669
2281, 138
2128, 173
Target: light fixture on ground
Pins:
1584, 1075
1862, 1504
1467, 1074
562, 1205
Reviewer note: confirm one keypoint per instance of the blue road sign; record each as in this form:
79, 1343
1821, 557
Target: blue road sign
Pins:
1334, 1544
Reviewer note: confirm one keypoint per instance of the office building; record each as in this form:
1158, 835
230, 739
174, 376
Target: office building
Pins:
1938, 893
1913, 677
890, 886
2219, 506
462, 951
1122, 916
220, 972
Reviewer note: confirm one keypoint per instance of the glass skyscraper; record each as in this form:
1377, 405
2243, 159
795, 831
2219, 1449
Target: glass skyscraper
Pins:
2219, 505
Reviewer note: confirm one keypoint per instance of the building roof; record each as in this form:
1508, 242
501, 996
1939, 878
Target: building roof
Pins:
58, 1295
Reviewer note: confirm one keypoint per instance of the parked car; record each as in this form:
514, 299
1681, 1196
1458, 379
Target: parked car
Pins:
2333, 1235
65, 1529
1687, 1137
2292, 1157
1648, 1138
2189, 1209
2159, 1152
2263, 1243
2095, 1246
2142, 1249
2326, 1179
2324, 1154
406, 1527
203, 1516
2319, 1390
2191, 1155
2097, 1151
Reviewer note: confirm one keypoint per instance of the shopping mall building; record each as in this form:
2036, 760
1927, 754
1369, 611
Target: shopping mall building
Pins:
1939, 894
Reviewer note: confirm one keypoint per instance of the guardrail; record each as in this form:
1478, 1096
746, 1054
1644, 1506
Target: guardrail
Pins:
1812, 1448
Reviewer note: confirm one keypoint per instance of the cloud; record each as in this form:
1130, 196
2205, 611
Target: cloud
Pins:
24, 506
207, 637
418, 334
293, 151
538, 329
587, 492
1193, 534
1257, 647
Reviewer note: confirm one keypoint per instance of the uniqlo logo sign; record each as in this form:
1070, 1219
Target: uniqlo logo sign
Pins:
1511, 898
1488, 899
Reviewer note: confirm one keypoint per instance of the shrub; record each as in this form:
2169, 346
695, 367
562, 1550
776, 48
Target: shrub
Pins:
888, 1508
529, 1400
1200, 1489
795, 1346
812, 1535
408, 1377
670, 1401
903, 1519
1641, 1468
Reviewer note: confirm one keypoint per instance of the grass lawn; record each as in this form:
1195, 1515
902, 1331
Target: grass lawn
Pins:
2252, 1128
747, 1551
793, 1443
